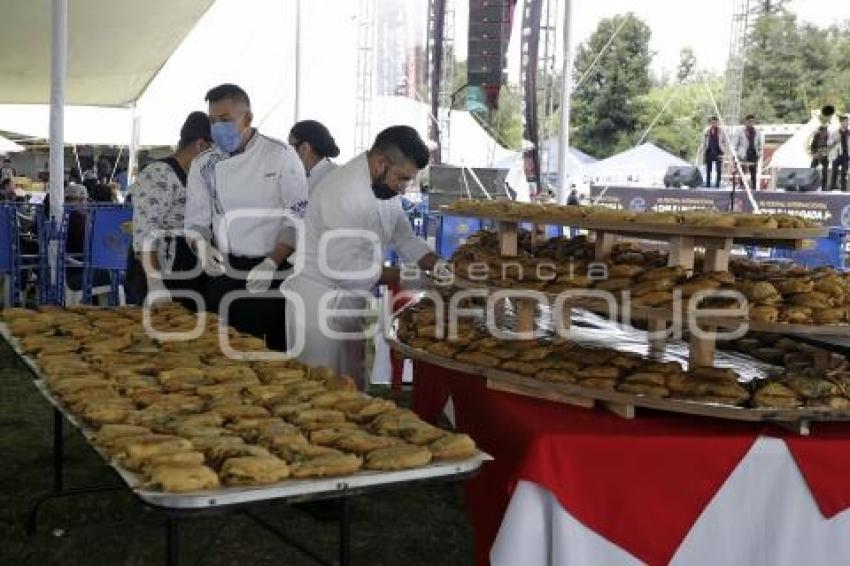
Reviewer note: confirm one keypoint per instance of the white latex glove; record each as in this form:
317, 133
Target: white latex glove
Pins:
442, 273
260, 278
157, 292
212, 260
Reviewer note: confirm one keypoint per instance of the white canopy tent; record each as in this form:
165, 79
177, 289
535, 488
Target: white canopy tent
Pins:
645, 165
115, 48
8, 146
794, 153
95, 52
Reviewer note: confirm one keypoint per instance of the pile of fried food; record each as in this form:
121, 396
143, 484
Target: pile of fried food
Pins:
512, 210
775, 293
783, 351
188, 418
559, 361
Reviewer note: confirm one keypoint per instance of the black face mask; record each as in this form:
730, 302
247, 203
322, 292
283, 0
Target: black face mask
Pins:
381, 190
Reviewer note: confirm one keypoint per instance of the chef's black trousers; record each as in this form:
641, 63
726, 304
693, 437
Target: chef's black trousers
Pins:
262, 316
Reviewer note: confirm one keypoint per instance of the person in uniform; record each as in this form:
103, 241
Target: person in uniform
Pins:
315, 146
243, 199
351, 221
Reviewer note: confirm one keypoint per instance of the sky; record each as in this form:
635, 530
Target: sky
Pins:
251, 42
703, 25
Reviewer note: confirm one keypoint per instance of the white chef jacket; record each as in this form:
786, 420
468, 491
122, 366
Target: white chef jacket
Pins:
345, 201
318, 172
267, 176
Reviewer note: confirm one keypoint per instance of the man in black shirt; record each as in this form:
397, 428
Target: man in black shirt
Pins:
713, 152
839, 149
819, 149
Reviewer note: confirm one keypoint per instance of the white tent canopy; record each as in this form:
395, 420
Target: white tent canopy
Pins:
794, 153
8, 146
645, 165
115, 48
250, 44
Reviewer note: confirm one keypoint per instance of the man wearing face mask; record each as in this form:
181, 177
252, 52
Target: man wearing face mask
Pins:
315, 147
242, 196
348, 225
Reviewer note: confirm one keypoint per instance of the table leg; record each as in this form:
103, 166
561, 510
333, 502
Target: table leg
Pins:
172, 541
58, 450
344, 532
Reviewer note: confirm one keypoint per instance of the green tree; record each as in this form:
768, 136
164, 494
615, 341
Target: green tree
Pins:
791, 69
687, 64
774, 66
674, 116
607, 105
768, 7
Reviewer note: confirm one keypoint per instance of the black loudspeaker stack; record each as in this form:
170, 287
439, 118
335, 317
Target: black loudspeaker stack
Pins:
489, 34
683, 176
798, 179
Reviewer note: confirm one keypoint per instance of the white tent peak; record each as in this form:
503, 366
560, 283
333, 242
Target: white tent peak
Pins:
645, 164
794, 153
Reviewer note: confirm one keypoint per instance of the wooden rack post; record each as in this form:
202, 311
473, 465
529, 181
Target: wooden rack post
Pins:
604, 245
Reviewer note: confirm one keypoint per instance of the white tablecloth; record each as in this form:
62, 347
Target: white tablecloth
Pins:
764, 515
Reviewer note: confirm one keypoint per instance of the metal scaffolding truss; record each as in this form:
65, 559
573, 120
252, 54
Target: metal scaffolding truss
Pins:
548, 88
735, 64
529, 57
365, 74
441, 70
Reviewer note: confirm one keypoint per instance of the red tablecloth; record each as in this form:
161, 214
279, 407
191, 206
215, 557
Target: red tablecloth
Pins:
641, 484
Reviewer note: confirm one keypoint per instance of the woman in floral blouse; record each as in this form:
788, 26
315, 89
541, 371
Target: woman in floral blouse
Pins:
159, 204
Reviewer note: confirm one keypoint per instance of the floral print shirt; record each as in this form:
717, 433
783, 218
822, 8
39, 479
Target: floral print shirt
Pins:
159, 203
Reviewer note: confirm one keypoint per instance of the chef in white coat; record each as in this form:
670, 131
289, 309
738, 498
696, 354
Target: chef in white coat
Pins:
347, 230
243, 197
315, 146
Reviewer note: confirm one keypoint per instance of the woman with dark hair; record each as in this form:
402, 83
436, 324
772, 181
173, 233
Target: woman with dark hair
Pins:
159, 207
314, 145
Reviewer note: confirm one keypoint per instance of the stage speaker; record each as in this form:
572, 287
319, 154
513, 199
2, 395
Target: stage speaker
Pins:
489, 34
801, 179
683, 176
449, 184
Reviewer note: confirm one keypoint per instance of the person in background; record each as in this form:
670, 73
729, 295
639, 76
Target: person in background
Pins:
315, 147
712, 151
352, 198
121, 178
103, 194
840, 156
819, 148
160, 205
7, 189
7, 171
572, 200
104, 169
748, 149
76, 198
243, 173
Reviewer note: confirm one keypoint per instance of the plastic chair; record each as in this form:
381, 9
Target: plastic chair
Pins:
107, 239
452, 232
8, 255
13, 263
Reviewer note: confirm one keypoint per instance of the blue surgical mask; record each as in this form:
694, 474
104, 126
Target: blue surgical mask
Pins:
226, 136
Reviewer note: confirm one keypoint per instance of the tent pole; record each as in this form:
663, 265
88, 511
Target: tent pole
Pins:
58, 68
133, 147
566, 95
297, 60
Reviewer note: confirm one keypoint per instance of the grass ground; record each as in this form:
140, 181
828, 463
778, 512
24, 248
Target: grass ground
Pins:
415, 525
